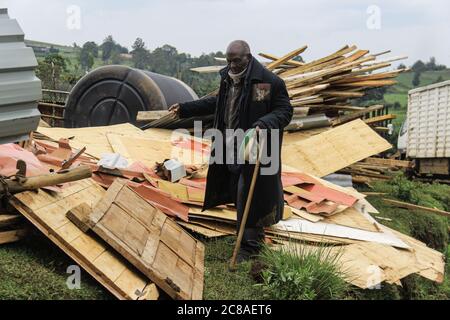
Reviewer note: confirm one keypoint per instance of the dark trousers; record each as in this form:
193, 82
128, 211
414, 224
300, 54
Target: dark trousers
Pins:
253, 237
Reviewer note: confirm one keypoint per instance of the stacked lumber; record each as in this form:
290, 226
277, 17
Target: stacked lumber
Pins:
324, 86
12, 227
328, 83
375, 169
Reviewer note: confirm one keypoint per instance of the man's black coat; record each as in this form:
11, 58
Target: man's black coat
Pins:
270, 109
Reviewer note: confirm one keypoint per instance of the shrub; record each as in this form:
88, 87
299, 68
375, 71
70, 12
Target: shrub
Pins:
302, 273
424, 226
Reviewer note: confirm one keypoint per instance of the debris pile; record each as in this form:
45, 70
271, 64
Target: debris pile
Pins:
329, 82
125, 222
126, 203
321, 91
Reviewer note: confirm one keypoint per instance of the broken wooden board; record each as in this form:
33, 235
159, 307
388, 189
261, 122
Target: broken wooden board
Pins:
215, 213
9, 236
151, 115
353, 218
204, 231
368, 264
321, 228
7, 220
306, 215
432, 262
149, 151
175, 190
334, 149
304, 237
150, 240
411, 206
226, 228
297, 136
93, 138
47, 212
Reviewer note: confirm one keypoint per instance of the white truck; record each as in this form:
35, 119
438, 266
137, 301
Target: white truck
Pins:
425, 135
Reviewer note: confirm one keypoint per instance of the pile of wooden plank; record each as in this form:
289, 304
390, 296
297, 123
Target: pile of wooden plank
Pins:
362, 246
376, 169
327, 84
141, 216
12, 227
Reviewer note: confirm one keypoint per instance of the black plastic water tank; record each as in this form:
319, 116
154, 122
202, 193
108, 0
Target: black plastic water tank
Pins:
115, 94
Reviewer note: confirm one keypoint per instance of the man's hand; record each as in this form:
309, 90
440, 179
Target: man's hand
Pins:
175, 109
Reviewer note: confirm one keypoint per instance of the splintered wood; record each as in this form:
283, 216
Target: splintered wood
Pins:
149, 239
48, 213
335, 149
367, 264
327, 83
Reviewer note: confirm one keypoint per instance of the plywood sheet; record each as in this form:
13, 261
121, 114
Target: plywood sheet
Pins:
351, 217
204, 231
149, 151
151, 241
215, 213
334, 149
48, 213
93, 138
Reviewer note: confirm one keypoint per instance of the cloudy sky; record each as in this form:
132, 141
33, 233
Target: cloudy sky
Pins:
417, 28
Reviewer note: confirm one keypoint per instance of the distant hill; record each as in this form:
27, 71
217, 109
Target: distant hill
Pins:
399, 92
33, 43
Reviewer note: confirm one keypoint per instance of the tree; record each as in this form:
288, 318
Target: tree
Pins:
88, 52
141, 55
86, 60
431, 65
401, 66
51, 69
419, 66
115, 57
92, 48
121, 49
138, 44
416, 79
107, 47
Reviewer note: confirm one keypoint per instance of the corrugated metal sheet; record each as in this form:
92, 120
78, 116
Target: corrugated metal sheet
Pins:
20, 89
429, 121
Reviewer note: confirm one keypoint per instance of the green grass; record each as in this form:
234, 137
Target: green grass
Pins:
35, 269
220, 283
302, 273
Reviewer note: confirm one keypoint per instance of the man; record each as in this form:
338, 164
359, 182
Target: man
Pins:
250, 96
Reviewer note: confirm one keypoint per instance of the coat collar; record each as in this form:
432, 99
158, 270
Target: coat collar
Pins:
255, 71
